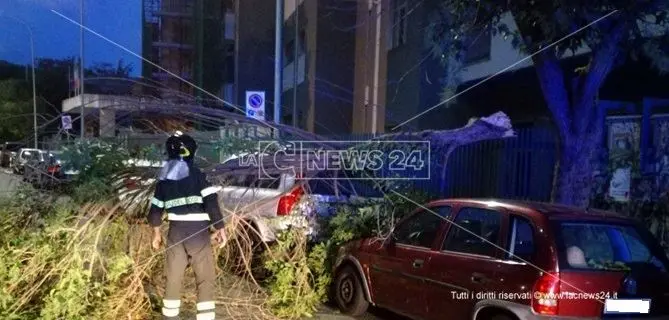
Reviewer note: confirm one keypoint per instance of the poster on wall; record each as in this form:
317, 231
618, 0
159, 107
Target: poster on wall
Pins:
658, 158
623, 142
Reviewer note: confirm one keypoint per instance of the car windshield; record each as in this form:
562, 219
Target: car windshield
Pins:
603, 246
54, 158
44, 155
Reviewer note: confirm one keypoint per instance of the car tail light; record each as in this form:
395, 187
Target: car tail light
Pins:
288, 201
545, 294
53, 169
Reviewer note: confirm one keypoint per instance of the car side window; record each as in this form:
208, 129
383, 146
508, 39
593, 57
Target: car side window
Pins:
480, 224
268, 182
521, 239
422, 228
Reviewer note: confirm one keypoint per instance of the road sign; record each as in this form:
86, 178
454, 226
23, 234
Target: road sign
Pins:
255, 104
66, 122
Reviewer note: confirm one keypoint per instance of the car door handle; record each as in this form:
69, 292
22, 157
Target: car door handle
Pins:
418, 263
478, 277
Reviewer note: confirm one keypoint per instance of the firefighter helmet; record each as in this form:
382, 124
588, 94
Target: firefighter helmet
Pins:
180, 146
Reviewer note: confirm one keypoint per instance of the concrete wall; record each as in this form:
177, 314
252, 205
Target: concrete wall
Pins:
405, 71
98, 108
255, 51
325, 93
333, 74
365, 47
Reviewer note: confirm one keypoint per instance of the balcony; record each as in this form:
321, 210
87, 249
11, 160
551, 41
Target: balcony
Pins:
162, 75
176, 8
172, 45
229, 26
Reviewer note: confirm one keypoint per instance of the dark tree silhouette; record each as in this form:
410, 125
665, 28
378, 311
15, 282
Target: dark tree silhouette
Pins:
620, 30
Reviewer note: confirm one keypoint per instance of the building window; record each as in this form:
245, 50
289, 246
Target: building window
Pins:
155, 32
229, 31
399, 23
186, 31
155, 55
289, 49
289, 53
302, 44
227, 91
229, 68
477, 44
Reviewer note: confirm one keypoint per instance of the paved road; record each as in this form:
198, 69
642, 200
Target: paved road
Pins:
8, 182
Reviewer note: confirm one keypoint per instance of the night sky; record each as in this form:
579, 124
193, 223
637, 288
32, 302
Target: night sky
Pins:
56, 37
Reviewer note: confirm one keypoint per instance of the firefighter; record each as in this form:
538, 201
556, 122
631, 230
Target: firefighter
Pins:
192, 208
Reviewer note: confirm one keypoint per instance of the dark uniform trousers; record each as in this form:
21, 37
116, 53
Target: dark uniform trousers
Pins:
192, 209
188, 242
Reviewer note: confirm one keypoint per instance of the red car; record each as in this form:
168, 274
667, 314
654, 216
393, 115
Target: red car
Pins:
504, 260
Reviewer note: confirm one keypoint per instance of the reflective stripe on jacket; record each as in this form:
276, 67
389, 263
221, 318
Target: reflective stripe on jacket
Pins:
188, 199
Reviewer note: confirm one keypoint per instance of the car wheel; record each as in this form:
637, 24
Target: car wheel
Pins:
501, 317
349, 293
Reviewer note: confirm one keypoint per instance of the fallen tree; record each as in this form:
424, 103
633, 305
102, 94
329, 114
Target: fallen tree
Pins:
93, 260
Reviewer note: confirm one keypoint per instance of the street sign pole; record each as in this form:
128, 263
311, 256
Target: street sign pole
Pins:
278, 63
81, 68
255, 104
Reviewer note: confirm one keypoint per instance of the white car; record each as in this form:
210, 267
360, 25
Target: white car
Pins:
25, 156
273, 200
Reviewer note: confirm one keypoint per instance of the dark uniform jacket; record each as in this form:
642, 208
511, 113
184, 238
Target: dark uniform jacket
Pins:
191, 204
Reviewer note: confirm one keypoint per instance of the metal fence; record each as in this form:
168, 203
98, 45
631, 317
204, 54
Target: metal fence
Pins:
514, 168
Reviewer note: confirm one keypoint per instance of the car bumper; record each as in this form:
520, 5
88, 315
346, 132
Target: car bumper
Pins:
270, 227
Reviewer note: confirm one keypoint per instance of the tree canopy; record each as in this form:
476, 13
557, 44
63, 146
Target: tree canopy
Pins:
609, 31
51, 77
105, 69
612, 30
15, 109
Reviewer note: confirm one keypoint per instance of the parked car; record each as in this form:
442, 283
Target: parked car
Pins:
267, 198
26, 155
44, 171
502, 260
8, 151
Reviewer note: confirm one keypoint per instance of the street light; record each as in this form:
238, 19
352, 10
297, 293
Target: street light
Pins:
32, 60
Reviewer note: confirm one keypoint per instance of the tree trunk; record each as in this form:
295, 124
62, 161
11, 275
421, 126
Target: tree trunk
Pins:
576, 166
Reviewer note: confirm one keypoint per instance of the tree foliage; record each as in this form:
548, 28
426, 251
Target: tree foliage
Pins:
636, 27
105, 69
10, 70
15, 110
612, 32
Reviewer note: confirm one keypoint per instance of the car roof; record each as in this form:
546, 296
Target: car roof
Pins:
533, 208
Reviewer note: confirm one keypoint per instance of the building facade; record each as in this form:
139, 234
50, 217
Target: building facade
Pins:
410, 77
319, 65
193, 39
371, 66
